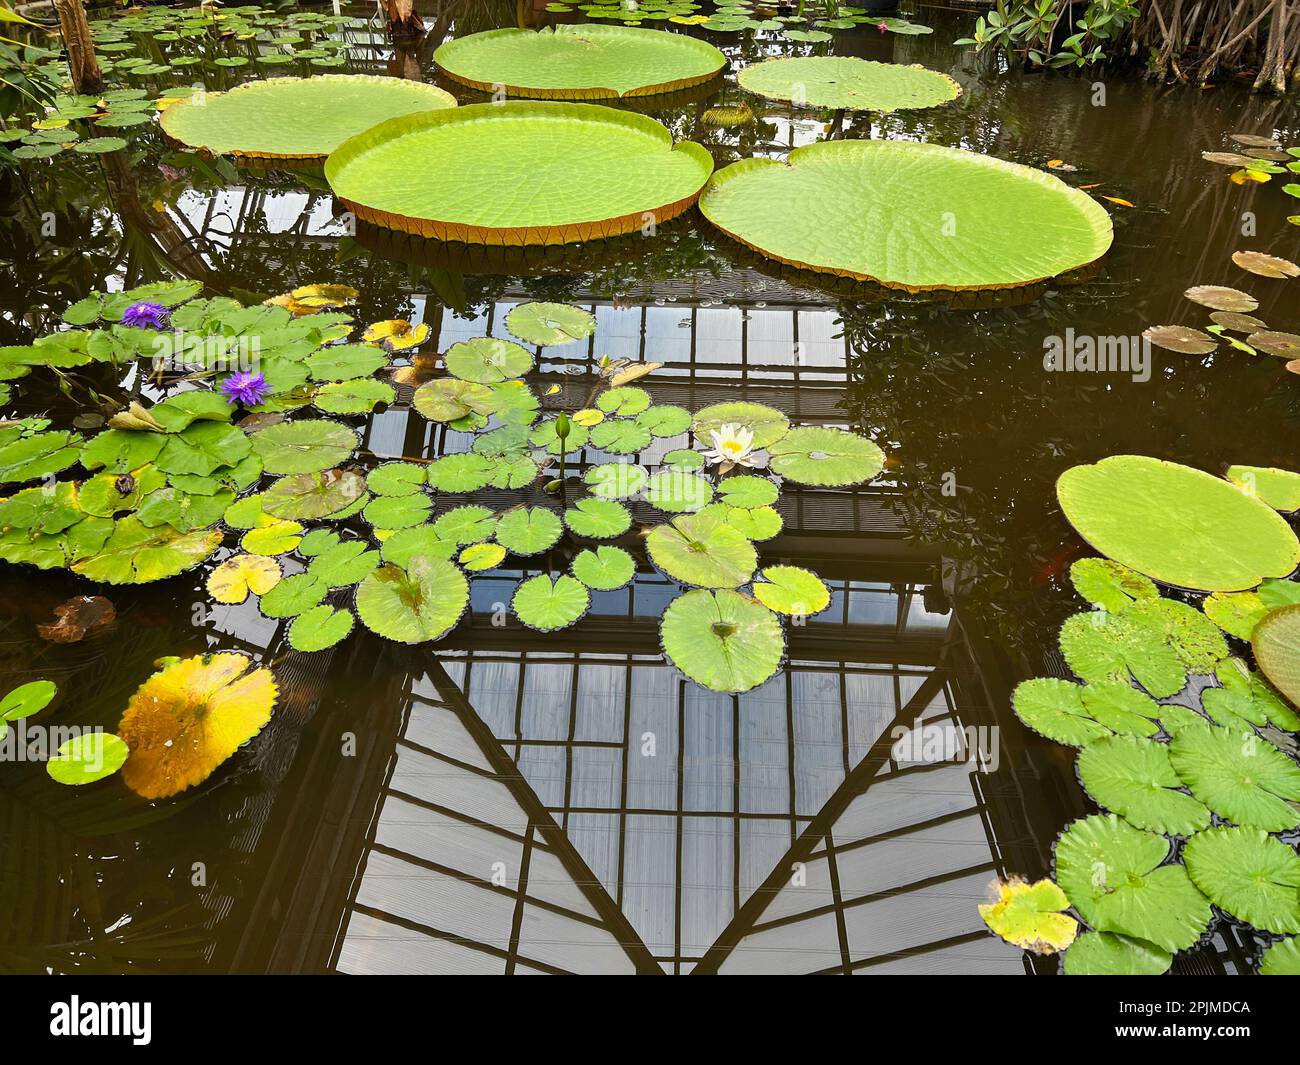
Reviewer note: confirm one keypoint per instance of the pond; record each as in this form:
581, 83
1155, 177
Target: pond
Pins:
553, 796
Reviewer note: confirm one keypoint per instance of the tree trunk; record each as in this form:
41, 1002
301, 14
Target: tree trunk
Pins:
402, 19
86, 75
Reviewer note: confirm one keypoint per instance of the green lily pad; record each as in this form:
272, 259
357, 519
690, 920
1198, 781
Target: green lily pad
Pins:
398, 512
684, 459
721, 640
545, 435
624, 402
1113, 875
344, 362
1248, 874
293, 595
620, 436
547, 605
1133, 777
599, 519
466, 472
406, 544
529, 530
747, 491
307, 496
466, 525
360, 396
1239, 776
678, 491
1280, 489
397, 478
87, 758
487, 360
1236, 613
202, 448
1054, 708
1178, 525
27, 699
1281, 959
344, 564
579, 62
304, 446
39, 455
909, 215
418, 604
1109, 585
791, 590
702, 550
273, 537
135, 554
478, 557
637, 175
760, 523
664, 420
616, 480
603, 568
296, 118
319, 628
120, 451
550, 324
1276, 642
448, 399
825, 457
766, 423
847, 82
1106, 954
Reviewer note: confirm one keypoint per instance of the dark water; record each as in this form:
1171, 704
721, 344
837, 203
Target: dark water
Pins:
490, 806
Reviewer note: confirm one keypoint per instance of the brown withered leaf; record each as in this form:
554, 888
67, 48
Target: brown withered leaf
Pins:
79, 617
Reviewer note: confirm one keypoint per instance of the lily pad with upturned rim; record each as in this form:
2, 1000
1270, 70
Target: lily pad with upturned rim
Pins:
1280, 489
721, 640
621, 172
848, 82
1276, 642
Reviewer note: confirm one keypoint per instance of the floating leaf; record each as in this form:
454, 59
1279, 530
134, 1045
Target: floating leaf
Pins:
616, 480
1236, 613
702, 550
1280, 489
1281, 959
1054, 708
1180, 338
825, 457
406, 544
396, 334
1219, 298
466, 525
747, 491
677, 491
482, 556
189, 718
547, 605
466, 472
621, 436
721, 640
296, 118
1276, 643
135, 554
766, 423
26, 700
1238, 323
1030, 916
663, 420
293, 595
76, 619
487, 360
791, 590
306, 496
624, 402
271, 537
545, 435
638, 174
360, 396
414, 605
38, 455
1109, 585
240, 574
304, 446
529, 530
1134, 778
447, 399
319, 628
600, 519
397, 478
1238, 776
1176, 524
579, 62
398, 512
1248, 874
1106, 954
848, 82
344, 564
1113, 875
549, 324
1271, 342
1256, 262
604, 568
87, 758
343, 362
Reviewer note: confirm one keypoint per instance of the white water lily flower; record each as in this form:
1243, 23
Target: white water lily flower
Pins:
733, 445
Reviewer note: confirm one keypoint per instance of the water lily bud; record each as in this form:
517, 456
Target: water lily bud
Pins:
562, 426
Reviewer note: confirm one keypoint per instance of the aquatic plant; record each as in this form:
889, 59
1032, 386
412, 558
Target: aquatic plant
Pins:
24, 701
1031, 916
868, 210
622, 173
848, 82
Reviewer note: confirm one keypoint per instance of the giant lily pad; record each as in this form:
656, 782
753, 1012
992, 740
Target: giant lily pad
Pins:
825, 457
296, 118
722, 640
849, 83
583, 62
1113, 875
1276, 641
590, 172
908, 215
417, 604
1280, 489
1239, 776
1133, 777
1178, 525
1248, 874
702, 550
191, 716
547, 605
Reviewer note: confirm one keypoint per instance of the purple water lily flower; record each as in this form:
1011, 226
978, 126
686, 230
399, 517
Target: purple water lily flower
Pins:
246, 389
146, 315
